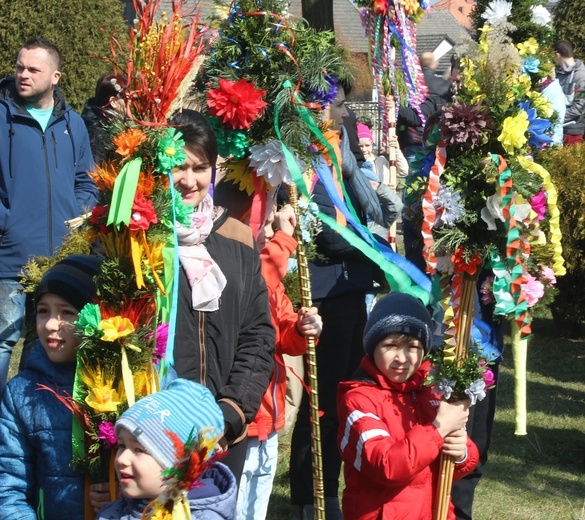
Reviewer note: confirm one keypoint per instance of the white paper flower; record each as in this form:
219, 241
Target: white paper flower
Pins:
445, 264
269, 162
493, 210
445, 388
449, 207
497, 11
476, 391
540, 15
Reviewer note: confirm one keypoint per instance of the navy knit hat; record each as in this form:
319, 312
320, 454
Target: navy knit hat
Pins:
401, 313
71, 279
181, 408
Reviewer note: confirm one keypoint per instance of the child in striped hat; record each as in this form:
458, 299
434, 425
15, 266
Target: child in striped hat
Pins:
165, 461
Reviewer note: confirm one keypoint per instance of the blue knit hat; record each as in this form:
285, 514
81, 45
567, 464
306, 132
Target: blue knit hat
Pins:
181, 408
400, 313
71, 279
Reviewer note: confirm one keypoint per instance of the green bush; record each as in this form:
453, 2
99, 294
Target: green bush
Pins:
569, 20
567, 168
81, 29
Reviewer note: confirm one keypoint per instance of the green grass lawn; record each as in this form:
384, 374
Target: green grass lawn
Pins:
540, 476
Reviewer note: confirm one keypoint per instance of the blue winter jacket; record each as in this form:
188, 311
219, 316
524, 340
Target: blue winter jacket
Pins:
214, 499
35, 445
43, 178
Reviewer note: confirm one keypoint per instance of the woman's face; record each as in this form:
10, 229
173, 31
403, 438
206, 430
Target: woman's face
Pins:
336, 111
193, 178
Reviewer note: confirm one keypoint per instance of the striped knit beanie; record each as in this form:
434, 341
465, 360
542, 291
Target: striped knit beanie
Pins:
400, 313
71, 279
181, 408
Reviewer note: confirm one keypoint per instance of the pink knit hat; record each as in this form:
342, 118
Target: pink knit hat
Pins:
364, 132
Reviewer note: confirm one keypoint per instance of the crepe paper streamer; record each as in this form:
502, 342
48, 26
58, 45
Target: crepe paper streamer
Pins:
428, 207
123, 194
136, 254
258, 208
554, 226
41, 506
127, 378
520, 353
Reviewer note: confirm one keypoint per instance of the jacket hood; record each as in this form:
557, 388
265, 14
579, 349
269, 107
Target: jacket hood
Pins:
61, 373
16, 103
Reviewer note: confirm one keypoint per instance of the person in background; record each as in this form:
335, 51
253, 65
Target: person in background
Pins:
35, 428
151, 434
99, 111
571, 75
44, 160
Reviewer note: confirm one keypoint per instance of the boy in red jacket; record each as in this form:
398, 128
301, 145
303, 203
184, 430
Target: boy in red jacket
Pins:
392, 428
291, 330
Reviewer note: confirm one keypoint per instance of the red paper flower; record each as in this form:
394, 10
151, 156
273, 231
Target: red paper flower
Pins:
380, 7
99, 217
143, 214
462, 266
238, 104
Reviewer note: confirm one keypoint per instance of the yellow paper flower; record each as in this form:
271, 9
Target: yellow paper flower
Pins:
115, 328
103, 399
530, 46
514, 130
542, 105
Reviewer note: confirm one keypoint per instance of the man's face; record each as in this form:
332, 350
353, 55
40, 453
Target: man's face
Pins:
36, 76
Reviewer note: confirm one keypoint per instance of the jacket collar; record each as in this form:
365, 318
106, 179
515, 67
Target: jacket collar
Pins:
15, 102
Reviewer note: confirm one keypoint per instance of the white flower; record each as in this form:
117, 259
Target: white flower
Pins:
269, 162
445, 264
449, 207
445, 388
493, 210
476, 391
497, 11
540, 15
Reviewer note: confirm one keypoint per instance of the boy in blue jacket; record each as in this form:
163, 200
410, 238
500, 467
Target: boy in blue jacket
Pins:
36, 479
165, 463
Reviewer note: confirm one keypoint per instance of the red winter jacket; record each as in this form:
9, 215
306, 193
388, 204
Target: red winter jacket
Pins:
390, 447
274, 259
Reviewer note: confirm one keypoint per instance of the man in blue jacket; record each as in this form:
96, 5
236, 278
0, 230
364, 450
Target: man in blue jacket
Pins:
44, 160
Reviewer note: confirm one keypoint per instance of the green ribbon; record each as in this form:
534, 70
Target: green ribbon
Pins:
77, 433
123, 193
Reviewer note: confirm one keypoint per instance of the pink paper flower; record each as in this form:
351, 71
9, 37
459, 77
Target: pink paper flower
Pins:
489, 378
162, 337
538, 204
533, 290
486, 290
549, 275
107, 433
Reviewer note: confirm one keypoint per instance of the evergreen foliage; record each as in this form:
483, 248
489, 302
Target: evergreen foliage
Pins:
521, 19
81, 29
567, 168
569, 22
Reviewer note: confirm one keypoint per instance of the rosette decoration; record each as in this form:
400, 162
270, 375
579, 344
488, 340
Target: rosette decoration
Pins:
126, 334
391, 25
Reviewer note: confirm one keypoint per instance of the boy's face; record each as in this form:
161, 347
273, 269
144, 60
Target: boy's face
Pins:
139, 474
55, 317
399, 356
267, 232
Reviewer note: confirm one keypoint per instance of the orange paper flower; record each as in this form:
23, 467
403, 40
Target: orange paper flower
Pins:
238, 104
128, 142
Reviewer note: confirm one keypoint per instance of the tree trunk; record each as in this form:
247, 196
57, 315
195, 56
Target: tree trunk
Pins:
319, 14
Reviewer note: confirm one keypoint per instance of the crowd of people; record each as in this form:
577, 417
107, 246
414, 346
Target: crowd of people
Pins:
233, 331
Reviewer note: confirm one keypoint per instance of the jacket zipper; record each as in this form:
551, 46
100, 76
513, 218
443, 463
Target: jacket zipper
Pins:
55, 150
50, 204
202, 349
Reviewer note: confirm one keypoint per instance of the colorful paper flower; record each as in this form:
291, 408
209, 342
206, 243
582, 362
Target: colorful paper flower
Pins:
449, 207
465, 125
488, 377
230, 143
143, 214
327, 96
530, 65
497, 11
527, 47
128, 141
486, 291
162, 337
171, 150
476, 391
238, 104
107, 433
88, 320
445, 388
445, 264
540, 15
461, 265
537, 127
103, 399
549, 275
116, 328
533, 290
269, 161
538, 204
513, 136
380, 7
493, 210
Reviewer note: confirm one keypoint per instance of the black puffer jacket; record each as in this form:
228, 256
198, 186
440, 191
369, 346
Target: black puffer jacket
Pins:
230, 350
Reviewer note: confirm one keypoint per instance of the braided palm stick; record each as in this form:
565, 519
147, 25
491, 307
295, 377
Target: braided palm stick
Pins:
463, 334
311, 361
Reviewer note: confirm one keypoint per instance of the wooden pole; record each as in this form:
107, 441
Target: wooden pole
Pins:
392, 154
463, 337
311, 361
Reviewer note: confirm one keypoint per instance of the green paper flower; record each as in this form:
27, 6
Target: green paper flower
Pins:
171, 150
88, 320
183, 212
229, 142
